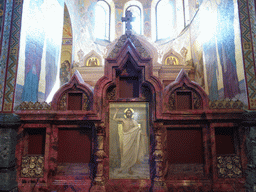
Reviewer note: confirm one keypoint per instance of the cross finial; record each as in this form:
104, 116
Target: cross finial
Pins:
128, 19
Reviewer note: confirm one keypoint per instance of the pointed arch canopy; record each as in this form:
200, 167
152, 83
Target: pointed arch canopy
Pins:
184, 86
77, 85
128, 53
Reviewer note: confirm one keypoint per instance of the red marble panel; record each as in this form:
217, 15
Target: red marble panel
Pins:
185, 146
74, 146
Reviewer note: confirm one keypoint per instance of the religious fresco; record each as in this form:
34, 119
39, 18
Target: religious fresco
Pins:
129, 141
40, 44
197, 55
118, 22
93, 62
171, 60
65, 72
66, 49
217, 43
82, 18
67, 27
147, 23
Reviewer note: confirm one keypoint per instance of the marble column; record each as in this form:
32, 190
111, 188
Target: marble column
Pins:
249, 123
9, 124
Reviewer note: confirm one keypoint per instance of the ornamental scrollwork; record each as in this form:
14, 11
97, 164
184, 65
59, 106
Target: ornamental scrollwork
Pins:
32, 166
172, 103
85, 102
63, 103
111, 93
229, 167
197, 101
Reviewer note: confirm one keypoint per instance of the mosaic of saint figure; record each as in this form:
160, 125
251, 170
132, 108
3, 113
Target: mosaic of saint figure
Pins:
31, 86
64, 72
33, 53
226, 47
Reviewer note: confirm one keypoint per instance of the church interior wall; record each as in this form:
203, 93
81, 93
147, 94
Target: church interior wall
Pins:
210, 79
217, 55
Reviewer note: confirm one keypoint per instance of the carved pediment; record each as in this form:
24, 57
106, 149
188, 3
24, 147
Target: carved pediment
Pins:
76, 88
186, 93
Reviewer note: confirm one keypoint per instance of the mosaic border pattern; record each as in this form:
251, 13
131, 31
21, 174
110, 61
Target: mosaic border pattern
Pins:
2, 11
13, 57
5, 47
252, 11
246, 38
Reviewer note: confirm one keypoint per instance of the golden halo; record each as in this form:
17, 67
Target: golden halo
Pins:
127, 110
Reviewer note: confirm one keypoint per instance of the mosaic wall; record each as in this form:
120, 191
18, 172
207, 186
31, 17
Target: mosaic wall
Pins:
217, 51
66, 49
39, 55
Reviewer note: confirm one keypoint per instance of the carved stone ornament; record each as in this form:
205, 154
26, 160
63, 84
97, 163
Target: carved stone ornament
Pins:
142, 51
85, 102
159, 181
111, 93
63, 103
229, 167
172, 103
34, 106
32, 166
117, 46
197, 101
146, 93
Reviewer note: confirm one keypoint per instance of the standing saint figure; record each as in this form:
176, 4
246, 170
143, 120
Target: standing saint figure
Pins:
133, 149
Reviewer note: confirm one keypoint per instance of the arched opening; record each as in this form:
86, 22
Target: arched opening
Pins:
102, 20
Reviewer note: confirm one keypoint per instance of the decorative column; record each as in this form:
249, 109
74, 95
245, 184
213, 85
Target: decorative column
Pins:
99, 181
249, 122
159, 184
